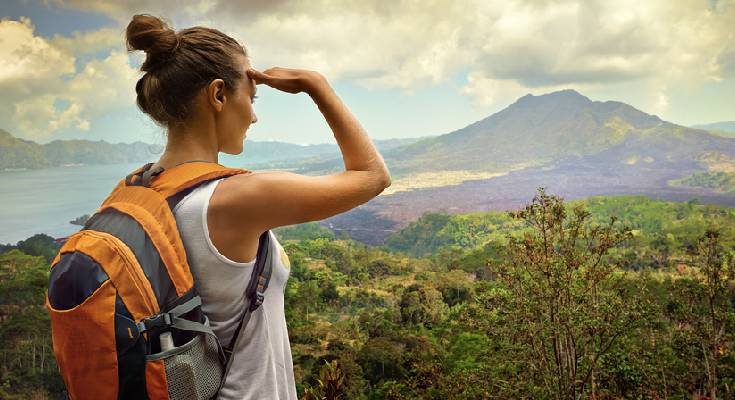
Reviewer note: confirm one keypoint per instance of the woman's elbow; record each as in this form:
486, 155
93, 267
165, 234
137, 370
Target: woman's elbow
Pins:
386, 181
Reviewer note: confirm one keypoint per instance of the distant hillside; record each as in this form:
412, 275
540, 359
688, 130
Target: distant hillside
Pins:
724, 128
543, 130
674, 224
283, 155
719, 181
16, 153
273, 153
727, 126
564, 141
21, 153
536, 130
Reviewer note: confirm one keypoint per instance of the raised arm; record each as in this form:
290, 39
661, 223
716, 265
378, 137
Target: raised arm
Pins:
265, 200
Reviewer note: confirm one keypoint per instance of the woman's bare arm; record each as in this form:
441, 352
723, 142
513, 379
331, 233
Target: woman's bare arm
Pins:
263, 200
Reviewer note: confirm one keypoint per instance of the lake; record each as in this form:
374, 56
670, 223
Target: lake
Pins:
45, 200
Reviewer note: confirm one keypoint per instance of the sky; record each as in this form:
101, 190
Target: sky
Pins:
404, 68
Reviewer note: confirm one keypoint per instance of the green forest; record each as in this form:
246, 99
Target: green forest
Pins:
600, 298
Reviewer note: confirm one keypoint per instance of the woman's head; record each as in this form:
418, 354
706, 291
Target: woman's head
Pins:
194, 73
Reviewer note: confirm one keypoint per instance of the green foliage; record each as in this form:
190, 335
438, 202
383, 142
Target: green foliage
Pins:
39, 245
468, 351
634, 294
27, 365
382, 359
23, 278
657, 226
569, 307
422, 304
706, 306
455, 287
719, 180
434, 231
305, 231
331, 384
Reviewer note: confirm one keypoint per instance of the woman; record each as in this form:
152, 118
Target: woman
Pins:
200, 86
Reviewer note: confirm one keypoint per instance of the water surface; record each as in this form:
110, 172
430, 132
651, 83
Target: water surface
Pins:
45, 200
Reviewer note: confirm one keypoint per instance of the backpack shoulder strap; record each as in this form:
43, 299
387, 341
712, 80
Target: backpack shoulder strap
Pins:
180, 177
169, 183
152, 207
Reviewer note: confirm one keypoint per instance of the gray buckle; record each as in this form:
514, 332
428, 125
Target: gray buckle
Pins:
158, 320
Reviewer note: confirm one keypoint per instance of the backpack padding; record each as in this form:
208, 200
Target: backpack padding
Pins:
131, 349
177, 178
84, 338
120, 265
159, 224
130, 232
174, 180
149, 206
75, 277
181, 177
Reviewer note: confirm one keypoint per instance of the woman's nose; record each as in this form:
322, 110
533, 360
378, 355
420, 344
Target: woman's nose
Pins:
255, 118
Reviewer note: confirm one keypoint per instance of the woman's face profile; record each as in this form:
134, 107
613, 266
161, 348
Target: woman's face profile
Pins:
237, 113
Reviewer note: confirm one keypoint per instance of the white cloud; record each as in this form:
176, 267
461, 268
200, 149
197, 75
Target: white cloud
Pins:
662, 104
89, 42
25, 57
46, 92
505, 49
410, 44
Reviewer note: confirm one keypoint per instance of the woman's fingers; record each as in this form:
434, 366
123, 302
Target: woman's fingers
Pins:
258, 76
285, 79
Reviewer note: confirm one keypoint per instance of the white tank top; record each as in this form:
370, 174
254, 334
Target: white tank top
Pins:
262, 367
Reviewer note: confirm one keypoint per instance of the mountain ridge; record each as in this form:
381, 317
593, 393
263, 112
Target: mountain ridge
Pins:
564, 141
19, 153
544, 127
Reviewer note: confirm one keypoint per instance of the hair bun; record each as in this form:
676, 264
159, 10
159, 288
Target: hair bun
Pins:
151, 35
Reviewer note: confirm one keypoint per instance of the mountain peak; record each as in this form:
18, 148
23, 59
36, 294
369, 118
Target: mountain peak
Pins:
566, 95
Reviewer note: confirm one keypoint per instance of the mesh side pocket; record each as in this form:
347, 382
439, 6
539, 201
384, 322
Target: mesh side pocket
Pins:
194, 371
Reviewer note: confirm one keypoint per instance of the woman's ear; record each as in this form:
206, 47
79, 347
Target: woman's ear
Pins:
216, 94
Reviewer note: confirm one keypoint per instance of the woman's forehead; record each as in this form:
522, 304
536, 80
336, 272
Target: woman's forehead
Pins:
251, 82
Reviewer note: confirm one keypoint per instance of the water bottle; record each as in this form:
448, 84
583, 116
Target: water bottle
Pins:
167, 341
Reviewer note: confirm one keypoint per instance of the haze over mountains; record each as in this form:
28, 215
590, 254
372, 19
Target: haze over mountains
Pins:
573, 146
538, 130
16, 153
722, 128
564, 141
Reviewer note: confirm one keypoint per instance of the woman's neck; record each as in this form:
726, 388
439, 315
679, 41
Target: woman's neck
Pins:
189, 145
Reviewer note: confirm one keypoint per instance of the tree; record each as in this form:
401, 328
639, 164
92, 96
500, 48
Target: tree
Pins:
27, 364
569, 304
39, 245
455, 287
422, 304
330, 384
708, 310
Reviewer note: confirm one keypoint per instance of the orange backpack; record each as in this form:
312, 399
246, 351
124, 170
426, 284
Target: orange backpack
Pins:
126, 319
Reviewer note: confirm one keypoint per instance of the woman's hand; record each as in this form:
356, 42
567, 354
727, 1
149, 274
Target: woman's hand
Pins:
289, 80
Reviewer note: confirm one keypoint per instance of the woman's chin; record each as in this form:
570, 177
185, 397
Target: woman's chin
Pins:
234, 150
